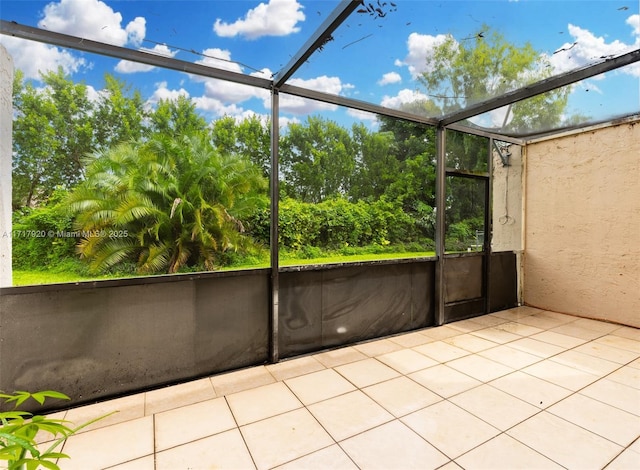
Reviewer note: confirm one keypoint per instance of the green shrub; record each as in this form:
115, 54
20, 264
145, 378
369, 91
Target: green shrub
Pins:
336, 223
40, 236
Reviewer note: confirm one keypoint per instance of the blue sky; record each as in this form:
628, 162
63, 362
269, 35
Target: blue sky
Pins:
370, 58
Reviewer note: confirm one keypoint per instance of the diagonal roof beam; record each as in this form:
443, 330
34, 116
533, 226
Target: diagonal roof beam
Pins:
486, 133
356, 104
543, 86
317, 39
11, 28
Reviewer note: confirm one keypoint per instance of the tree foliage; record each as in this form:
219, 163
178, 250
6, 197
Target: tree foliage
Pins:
164, 204
460, 73
250, 137
36, 241
338, 223
119, 114
55, 126
52, 132
176, 117
186, 191
317, 160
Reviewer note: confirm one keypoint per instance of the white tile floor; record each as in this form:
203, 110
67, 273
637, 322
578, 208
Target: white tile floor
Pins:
518, 389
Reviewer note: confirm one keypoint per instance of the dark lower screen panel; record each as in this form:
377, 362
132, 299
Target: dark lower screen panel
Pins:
330, 307
464, 297
462, 310
101, 342
109, 338
462, 278
503, 281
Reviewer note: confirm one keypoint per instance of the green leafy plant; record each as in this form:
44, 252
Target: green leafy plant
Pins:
18, 431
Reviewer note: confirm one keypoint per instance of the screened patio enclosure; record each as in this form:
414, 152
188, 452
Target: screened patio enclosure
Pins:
491, 145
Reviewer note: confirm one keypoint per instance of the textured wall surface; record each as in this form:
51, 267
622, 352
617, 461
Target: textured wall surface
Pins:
6, 81
507, 202
582, 236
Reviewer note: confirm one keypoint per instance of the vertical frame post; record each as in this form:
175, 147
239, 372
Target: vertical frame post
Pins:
6, 136
274, 232
440, 225
488, 229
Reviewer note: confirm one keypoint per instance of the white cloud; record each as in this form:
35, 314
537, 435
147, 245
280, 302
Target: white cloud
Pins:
230, 92
405, 96
136, 30
391, 77
325, 84
164, 93
126, 66
218, 92
493, 119
284, 122
362, 115
420, 46
585, 48
297, 105
219, 58
275, 18
34, 57
95, 95
248, 114
92, 19
634, 22
203, 103
222, 97
216, 106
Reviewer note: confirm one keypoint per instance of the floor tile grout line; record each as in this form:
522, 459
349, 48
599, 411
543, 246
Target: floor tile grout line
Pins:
553, 357
509, 436
447, 399
394, 418
589, 430
624, 449
155, 452
335, 442
515, 439
574, 392
238, 427
399, 420
546, 408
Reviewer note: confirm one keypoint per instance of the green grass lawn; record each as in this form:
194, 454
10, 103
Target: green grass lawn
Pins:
25, 277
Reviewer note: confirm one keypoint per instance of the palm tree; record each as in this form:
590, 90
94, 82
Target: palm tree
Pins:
164, 204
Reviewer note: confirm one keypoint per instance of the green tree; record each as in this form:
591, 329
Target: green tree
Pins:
254, 142
250, 137
52, 131
317, 160
164, 204
176, 117
415, 146
119, 115
466, 152
460, 73
377, 165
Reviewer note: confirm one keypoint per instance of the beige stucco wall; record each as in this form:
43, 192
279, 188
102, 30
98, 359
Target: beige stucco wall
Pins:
582, 226
506, 210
